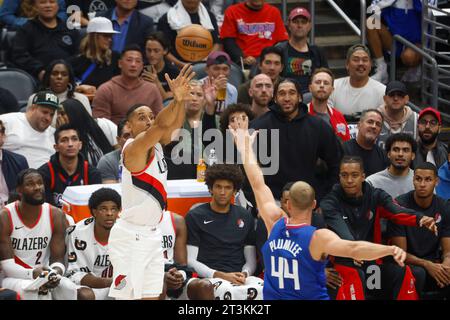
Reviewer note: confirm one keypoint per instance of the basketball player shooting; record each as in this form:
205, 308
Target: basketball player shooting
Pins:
295, 253
135, 240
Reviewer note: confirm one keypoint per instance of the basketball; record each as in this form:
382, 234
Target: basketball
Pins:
194, 43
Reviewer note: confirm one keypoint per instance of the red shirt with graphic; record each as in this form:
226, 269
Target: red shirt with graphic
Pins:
337, 122
253, 29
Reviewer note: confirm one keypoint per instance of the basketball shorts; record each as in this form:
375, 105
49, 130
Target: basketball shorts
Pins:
225, 290
137, 258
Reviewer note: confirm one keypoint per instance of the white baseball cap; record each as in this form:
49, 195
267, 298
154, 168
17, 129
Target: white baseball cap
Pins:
100, 25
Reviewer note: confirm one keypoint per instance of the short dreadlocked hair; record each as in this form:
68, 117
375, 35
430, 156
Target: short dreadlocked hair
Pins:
228, 172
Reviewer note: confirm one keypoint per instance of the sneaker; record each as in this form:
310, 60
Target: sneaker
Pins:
381, 75
412, 74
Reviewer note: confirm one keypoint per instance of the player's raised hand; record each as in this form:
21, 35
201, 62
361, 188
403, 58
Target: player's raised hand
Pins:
429, 223
174, 279
180, 85
242, 138
399, 255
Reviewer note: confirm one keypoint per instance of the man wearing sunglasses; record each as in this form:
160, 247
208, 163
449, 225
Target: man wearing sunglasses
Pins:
429, 148
398, 117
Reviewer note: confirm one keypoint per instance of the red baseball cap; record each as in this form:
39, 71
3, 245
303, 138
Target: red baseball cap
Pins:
299, 12
433, 111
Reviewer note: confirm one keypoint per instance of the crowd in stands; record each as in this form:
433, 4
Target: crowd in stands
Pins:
103, 78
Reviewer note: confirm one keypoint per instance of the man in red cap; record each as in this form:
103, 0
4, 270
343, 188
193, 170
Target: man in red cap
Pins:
301, 58
429, 148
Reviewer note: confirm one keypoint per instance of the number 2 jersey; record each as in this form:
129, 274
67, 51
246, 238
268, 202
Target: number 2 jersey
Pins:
31, 244
291, 273
85, 253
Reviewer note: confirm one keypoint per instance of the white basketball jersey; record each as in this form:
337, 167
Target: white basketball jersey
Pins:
85, 253
31, 244
144, 193
168, 231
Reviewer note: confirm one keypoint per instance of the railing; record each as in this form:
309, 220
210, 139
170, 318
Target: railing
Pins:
429, 42
361, 32
434, 69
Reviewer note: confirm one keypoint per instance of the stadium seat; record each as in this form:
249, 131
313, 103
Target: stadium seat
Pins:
236, 75
6, 40
21, 84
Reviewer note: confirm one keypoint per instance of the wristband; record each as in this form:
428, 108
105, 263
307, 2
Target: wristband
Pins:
58, 265
183, 273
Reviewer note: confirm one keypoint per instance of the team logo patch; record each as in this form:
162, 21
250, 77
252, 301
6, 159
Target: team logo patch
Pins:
88, 221
252, 293
67, 40
240, 223
120, 282
70, 229
80, 244
437, 217
72, 257
341, 128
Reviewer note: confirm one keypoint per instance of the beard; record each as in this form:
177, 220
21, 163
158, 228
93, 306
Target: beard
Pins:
32, 201
399, 166
430, 140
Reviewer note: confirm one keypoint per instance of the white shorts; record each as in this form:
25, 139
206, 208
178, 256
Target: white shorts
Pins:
137, 258
64, 291
225, 290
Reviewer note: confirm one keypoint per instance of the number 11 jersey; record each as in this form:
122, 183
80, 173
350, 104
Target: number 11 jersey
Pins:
291, 273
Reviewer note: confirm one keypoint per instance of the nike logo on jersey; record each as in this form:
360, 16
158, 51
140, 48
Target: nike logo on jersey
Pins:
17, 228
410, 291
345, 217
206, 222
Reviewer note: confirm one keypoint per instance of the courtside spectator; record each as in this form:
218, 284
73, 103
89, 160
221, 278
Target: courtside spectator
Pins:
133, 26
30, 133
397, 115
443, 187
43, 39
113, 98
185, 13
357, 92
249, 27
429, 147
364, 145
96, 63
301, 58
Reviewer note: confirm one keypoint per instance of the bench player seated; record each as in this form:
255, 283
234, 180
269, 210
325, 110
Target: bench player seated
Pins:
89, 267
32, 242
221, 238
180, 281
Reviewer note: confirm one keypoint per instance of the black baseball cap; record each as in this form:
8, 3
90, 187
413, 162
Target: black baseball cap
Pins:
396, 86
46, 99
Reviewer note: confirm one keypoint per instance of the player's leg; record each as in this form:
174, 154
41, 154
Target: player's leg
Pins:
7, 294
397, 282
222, 289
85, 293
19, 285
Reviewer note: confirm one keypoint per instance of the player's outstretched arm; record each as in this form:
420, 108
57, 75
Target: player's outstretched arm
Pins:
265, 201
169, 119
325, 242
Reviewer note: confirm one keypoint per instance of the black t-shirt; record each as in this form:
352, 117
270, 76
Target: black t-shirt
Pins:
87, 6
100, 74
374, 160
299, 67
421, 242
220, 237
163, 25
171, 70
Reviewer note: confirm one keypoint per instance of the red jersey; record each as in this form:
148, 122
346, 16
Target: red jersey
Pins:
253, 30
337, 122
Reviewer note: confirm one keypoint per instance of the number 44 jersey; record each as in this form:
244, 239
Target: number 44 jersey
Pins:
291, 273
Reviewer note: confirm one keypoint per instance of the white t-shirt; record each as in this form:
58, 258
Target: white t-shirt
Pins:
109, 128
21, 138
349, 100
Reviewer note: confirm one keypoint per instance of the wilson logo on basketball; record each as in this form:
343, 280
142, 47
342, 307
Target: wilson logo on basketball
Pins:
194, 44
120, 282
